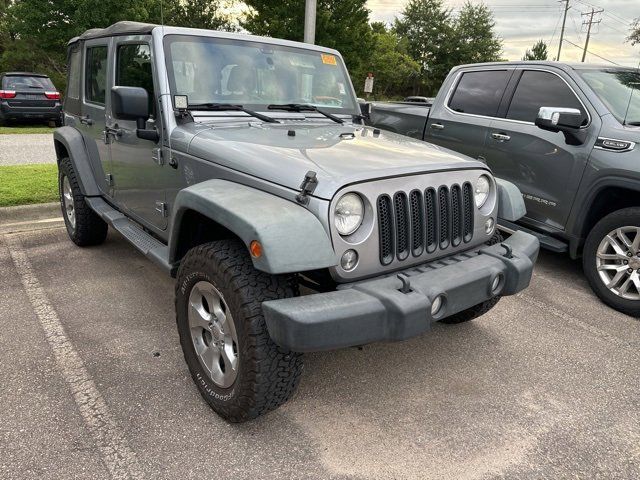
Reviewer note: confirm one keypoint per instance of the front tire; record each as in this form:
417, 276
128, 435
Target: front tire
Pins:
611, 260
237, 368
84, 226
481, 308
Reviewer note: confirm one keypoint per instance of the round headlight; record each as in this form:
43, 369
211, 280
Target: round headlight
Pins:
348, 214
483, 187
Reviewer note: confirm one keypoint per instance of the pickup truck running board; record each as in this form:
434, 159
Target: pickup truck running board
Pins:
150, 246
546, 241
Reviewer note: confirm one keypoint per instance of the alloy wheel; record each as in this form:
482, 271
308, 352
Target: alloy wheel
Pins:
213, 333
618, 262
67, 202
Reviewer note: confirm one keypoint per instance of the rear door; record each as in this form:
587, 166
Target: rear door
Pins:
91, 120
461, 121
139, 171
544, 165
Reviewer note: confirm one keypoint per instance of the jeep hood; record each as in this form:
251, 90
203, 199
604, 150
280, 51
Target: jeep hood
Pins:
339, 154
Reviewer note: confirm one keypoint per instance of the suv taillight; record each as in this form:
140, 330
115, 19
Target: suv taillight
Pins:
7, 93
52, 95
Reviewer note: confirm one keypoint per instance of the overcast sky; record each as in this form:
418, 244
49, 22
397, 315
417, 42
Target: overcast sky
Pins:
521, 22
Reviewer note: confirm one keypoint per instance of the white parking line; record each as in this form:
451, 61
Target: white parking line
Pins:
119, 459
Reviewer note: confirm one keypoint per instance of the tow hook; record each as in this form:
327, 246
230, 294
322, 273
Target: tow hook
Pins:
509, 250
406, 283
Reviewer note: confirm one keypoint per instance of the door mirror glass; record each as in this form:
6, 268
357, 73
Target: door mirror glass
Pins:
130, 103
558, 119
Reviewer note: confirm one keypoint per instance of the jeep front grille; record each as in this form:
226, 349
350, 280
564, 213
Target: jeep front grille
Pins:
410, 224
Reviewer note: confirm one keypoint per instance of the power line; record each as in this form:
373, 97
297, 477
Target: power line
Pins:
594, 54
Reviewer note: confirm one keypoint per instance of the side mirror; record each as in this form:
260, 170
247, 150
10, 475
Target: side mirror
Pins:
365, 109
565, 120
132, 103
557, 119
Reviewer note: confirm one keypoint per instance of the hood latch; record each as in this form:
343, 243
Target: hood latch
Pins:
307, 187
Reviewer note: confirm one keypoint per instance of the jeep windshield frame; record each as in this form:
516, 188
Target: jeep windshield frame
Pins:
254, 74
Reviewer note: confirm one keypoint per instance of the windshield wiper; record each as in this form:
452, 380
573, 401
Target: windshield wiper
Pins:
228, 107
633, 124
304, 107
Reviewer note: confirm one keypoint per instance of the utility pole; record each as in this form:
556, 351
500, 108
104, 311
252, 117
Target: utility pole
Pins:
589, 23
564, 21
310, 21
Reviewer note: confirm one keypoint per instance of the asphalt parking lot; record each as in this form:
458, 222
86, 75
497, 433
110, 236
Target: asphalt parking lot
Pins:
94, 385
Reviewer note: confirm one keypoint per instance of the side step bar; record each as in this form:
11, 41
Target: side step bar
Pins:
150, 246
546, 241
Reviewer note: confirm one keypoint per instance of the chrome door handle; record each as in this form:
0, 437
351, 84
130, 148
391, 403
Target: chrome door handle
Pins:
500, 137
437, 126
86, 120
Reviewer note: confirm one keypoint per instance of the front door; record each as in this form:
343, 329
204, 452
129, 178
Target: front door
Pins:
140, 173
544, 165
461, 122
91, 119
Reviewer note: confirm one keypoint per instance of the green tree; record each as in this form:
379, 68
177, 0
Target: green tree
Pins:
340, 24
426, 27
474, 35
394, 70
634, 36
537, 52
200, 14
440, 40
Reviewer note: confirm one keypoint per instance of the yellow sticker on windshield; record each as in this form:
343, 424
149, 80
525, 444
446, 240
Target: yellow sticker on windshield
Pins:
329, 59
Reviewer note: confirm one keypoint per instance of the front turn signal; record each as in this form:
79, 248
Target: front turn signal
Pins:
255, 247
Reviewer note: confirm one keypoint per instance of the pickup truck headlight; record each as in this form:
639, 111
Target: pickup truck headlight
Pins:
348, 213
482, 189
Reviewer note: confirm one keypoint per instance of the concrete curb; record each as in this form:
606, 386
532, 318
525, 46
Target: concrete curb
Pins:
30, 217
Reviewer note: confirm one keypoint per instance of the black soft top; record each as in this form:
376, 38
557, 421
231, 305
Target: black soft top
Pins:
120, 28
22, 74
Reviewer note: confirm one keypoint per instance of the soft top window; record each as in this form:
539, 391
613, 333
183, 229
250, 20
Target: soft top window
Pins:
25, 82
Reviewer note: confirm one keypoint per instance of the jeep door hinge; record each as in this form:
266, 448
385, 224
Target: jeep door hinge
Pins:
109, 179
162, 209
307, 187
157, 157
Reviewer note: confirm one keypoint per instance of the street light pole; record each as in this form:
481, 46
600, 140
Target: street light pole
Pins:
310, 21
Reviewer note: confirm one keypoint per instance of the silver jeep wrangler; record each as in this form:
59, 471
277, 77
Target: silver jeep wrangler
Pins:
241, 165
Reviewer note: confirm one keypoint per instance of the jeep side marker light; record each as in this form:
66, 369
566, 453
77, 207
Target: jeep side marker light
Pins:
256, 249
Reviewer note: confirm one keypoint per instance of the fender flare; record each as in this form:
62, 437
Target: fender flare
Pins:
292, 238
72, 141
511, 205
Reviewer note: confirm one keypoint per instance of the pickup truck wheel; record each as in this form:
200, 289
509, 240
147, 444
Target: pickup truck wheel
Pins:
482, 308
84, 226
611, 260
236, 366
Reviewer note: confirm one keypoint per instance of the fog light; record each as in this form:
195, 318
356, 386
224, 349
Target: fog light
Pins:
488, 226
349, 260
436, 306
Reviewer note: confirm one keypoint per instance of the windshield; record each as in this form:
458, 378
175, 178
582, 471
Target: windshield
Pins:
615, 87
254, 74
22, 82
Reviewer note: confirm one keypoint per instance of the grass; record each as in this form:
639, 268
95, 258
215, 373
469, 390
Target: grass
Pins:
27, 184
29, 129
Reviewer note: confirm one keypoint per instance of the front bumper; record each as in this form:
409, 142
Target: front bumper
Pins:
377, 309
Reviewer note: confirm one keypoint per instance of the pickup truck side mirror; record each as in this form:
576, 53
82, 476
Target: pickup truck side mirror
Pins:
565, 120
132, 103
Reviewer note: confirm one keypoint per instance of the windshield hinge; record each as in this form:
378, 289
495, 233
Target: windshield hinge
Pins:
307, 187
156, 155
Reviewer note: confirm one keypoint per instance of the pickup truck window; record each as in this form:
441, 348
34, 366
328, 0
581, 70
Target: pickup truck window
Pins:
96, 75
618, 90
479, 93
255, 74
541, 89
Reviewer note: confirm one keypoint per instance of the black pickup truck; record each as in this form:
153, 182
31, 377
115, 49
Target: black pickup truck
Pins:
566, 135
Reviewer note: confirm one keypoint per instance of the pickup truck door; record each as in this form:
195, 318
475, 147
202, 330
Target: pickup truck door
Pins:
461, 120
140, 173
545, 167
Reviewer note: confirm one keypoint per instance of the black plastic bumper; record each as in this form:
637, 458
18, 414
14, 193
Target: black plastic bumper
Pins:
383, 309
26, 112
